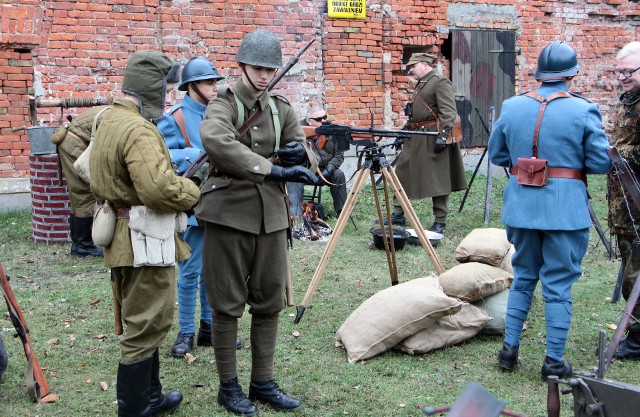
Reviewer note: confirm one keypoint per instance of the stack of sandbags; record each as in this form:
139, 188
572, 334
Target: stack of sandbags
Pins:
484, 274
393, 314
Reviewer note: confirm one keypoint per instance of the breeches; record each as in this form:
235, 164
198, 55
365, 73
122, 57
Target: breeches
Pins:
80, 196
553, 257
147, 297
242, 268
630, 252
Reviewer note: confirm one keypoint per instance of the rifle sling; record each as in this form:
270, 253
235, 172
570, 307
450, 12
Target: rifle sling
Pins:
625, 175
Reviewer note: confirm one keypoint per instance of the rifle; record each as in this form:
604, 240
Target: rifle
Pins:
203, 157
344, 135
36, 382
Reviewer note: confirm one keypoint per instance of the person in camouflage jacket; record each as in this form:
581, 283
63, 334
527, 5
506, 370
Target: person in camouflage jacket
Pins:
624, 216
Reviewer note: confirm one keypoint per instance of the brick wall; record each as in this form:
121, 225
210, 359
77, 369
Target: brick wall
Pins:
50, 200
60, 49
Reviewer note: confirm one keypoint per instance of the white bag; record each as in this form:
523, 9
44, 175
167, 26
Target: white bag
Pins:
152, 237
81, 165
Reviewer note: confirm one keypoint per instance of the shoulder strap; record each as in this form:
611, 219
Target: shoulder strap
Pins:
544, 100
274, 114
95, 123
424, 102
276, 122
179, 118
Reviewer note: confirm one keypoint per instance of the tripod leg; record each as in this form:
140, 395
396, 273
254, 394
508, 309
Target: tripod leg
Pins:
413, 217
473, 177
389, 246
333, 241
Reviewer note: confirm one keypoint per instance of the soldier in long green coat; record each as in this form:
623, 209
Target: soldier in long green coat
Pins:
428, 167
244, 213
130, 166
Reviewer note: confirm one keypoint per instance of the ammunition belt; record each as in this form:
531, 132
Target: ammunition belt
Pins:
570, 173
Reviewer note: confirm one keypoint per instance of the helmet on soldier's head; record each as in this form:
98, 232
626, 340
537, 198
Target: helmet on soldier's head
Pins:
260, 48
146, 77
197, 69
557, 61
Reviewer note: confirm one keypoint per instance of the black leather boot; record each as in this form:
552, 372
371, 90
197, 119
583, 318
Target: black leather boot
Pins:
629, 348
269, 392
204, 334
84, 245
561, 369
231, 397
133, 389
438, 227
161, 403
397, 219
182, 345
73, 233
508, 357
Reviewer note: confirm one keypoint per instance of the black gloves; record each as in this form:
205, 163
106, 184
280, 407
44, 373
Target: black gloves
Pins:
441, 143
293, 154
296, 173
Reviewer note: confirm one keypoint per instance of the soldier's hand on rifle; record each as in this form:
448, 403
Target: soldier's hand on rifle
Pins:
293, 154
296, 173
441, 144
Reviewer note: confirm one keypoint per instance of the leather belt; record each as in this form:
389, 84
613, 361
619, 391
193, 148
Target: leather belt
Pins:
570, 173
418, 125
122, 213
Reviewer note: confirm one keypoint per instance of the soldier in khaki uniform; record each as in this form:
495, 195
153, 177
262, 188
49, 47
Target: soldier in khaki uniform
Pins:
428, 167
131, 167
244, 213
71, 141
624, 217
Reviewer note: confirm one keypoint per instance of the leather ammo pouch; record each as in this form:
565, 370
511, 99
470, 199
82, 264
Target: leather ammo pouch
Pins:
532, 171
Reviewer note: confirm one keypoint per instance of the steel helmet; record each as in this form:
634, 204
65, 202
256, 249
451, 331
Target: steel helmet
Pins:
198, 68
556, 61
260, 48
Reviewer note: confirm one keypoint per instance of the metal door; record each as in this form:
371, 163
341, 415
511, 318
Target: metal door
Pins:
483, 75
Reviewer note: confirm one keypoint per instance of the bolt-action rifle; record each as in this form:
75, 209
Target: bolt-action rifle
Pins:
203, 158
36, 382
344, 135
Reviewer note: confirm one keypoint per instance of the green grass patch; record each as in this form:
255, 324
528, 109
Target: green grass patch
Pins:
68, 307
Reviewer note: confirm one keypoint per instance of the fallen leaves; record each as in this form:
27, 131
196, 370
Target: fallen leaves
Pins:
53, 341
104, 386
295, 333
190, 358
612, 326
51, 398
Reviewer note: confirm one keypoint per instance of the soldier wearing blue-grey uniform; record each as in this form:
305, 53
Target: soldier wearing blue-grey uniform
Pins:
180, 127
548, 225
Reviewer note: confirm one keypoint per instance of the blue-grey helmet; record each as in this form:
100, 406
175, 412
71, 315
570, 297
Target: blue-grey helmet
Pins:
260, 48
197, 69
557, 61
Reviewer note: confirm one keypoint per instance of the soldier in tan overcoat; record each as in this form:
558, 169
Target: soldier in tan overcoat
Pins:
428, 167
244, 213
131, 169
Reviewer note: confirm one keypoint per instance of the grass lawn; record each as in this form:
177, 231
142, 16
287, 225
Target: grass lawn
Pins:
68, 307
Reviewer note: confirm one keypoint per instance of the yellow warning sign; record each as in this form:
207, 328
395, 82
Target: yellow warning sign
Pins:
347, 9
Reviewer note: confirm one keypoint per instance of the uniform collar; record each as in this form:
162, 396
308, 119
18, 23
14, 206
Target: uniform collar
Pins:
128, 104
630, 98
191, 104
247, 97
426, 78
546, 89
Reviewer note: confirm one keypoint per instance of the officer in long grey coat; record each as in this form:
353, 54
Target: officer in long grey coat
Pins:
244, 213
131, 166
428, 167
548, 225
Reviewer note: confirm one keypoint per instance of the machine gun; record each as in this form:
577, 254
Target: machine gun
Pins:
344, 136
36, 382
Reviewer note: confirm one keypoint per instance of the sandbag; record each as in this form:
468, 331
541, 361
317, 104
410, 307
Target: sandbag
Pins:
392, 315
496, 307
506, 261
447, 331
473, 281
486, 245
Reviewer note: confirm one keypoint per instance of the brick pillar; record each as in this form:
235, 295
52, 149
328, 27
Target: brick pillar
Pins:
50, 200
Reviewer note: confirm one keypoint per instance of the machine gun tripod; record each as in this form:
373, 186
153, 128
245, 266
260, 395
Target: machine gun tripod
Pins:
375, 162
